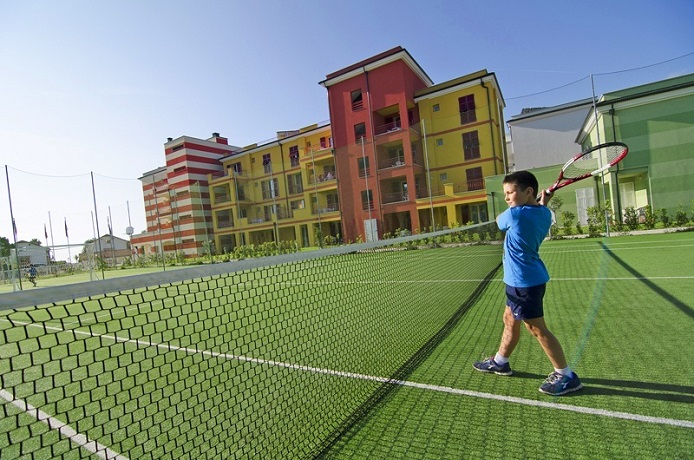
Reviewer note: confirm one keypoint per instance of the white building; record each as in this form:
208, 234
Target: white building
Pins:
30, 254
546, 136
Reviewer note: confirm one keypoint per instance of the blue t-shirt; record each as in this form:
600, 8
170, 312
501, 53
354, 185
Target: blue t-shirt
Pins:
525, 227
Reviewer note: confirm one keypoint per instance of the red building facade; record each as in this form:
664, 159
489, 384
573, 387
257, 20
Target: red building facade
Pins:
378, 143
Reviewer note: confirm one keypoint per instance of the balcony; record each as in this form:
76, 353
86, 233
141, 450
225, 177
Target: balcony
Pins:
221, 198
327, 177
390, 127
395, 197
391, 162
328, 210
450, 189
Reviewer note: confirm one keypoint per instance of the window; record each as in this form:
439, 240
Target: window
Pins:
270, 189
363, 166
236, 167
332, 202
323, 143
267, 163
474, 179
359, 131
294, 155
443, 177
436, 108
298, 204
466, 105
478, 213
295, 184
357, 100
367, 201
471, 145
439, 142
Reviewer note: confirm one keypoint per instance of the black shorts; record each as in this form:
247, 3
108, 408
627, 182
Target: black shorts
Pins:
526, 303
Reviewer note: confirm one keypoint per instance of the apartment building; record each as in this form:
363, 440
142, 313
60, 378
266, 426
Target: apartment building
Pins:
415, 153
177, 201
399, 154
281, 190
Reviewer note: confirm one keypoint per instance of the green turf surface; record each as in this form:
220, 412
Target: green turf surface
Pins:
622, 309
267, 364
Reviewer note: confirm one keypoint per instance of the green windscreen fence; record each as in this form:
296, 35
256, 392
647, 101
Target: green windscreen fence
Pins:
267, 358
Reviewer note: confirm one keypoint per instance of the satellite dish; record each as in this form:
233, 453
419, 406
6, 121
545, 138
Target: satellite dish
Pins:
129, 231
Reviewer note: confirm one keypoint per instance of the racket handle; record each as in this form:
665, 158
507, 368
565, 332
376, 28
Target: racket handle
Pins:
546, 191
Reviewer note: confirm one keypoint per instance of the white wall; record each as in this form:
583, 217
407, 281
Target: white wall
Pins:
547, 137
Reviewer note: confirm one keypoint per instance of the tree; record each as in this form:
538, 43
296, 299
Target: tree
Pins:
5, 247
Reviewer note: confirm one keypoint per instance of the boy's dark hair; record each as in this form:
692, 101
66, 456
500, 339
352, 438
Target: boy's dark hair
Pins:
523, 180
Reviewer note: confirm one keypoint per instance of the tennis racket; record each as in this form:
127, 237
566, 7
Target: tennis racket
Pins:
589, 163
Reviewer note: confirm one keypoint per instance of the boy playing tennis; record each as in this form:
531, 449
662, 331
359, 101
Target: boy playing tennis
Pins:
526, 222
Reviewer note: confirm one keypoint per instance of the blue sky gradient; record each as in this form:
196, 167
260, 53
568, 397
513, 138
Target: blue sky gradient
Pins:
99, 86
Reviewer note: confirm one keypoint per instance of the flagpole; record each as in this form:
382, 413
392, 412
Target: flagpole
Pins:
14, 229
50, 225
110, 231
96, 217
69, 256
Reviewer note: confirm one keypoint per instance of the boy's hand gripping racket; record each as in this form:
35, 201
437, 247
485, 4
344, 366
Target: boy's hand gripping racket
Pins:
589, 163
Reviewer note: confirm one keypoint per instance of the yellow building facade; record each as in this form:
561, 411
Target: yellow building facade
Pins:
463, 140
284, 190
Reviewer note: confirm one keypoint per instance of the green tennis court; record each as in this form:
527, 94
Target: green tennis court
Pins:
360, 354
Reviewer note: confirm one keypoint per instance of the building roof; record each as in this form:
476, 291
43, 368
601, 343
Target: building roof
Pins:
647, 89
457, 84
374, 62
542, 111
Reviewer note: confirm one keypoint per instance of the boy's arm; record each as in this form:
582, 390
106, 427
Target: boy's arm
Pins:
545, 197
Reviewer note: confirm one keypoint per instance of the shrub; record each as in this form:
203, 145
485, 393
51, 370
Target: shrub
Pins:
650, 217
681, 218
596, 221
631, 218
664, 218
567, 219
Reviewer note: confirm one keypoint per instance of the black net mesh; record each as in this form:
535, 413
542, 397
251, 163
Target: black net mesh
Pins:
271, 361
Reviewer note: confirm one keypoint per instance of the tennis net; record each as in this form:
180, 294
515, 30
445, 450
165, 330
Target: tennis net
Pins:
267, 358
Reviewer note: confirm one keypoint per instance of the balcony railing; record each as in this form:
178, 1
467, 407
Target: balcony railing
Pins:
221, 198
469, 186
388, 128
327, 176
395, 197
391, 162
327, 210
423, 191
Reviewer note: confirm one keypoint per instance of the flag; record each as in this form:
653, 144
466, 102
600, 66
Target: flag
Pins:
45, 233
66, 235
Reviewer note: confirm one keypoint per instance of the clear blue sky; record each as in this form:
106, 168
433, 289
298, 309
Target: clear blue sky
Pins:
98, 86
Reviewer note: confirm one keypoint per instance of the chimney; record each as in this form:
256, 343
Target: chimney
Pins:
219, 139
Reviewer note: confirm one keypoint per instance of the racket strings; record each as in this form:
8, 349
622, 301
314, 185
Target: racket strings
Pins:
593, 161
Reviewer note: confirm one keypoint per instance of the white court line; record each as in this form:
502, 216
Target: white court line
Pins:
373, 378
613, 249
66, 430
